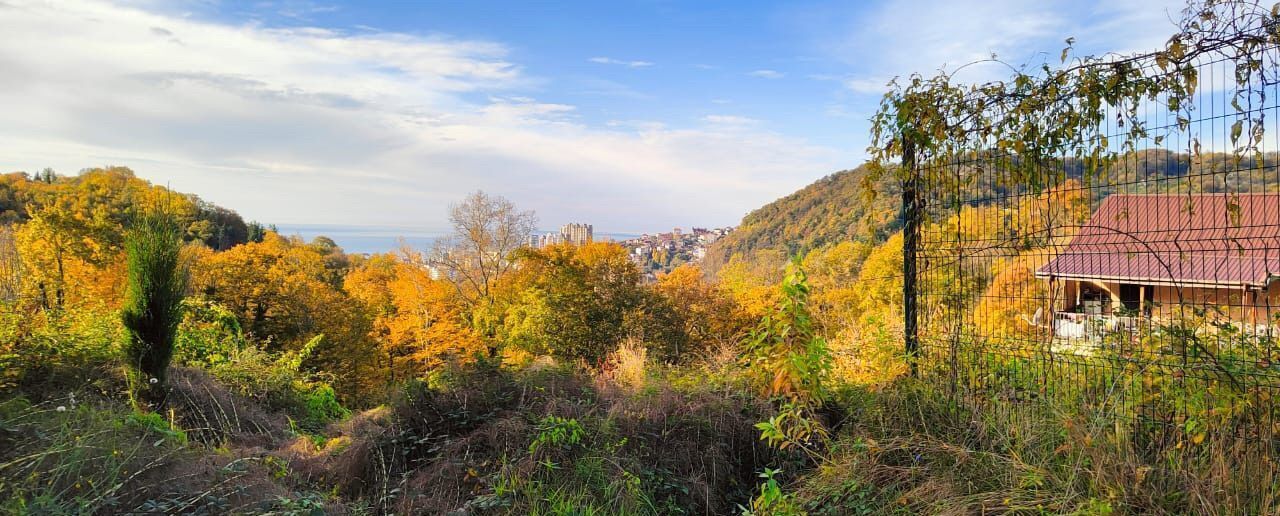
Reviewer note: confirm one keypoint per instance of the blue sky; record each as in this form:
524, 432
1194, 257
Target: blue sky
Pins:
634, 116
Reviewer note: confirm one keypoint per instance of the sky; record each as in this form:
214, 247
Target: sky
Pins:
634, 116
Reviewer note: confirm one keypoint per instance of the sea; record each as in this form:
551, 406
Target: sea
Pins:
356, 239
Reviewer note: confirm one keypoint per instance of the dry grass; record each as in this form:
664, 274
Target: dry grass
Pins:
91, 455
213, 415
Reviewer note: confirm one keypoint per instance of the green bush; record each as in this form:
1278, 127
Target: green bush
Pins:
209, 334
320, 404
277, 382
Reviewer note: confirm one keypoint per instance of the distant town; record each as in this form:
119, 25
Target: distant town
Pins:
655, 254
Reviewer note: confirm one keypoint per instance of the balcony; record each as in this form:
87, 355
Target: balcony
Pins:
1075, 327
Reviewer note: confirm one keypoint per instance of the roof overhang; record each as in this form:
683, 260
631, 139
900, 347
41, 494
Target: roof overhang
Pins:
1161, 282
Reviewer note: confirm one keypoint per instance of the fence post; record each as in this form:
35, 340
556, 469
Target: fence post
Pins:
910, 243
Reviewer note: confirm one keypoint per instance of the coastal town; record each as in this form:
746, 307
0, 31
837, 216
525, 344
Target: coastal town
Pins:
653, 253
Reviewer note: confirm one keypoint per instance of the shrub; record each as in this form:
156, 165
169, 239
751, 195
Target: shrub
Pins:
629, 366
54, 350
277, 382
209, 334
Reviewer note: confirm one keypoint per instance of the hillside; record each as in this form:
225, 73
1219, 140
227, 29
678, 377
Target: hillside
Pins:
831, 210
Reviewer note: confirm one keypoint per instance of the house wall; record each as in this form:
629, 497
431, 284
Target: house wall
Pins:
1070, 292
1246, 307
1237, 305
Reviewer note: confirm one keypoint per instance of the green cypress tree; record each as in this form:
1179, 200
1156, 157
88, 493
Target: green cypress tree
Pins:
155, 287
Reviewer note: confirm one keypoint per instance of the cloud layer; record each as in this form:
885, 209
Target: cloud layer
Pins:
317, 125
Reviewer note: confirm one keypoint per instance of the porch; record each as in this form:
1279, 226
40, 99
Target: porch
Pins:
1093, 327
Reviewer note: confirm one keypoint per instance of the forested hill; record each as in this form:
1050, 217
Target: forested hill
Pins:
831, 210
100, 202
836, 208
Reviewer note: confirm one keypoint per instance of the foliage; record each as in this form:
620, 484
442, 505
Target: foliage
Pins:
71, 230
772, 501
1066, 112
1016, 303
787, 354
55, 350
706, 314
579, 302
209, 334
751, 280
278, 382
554, 431
156, 285
785, 349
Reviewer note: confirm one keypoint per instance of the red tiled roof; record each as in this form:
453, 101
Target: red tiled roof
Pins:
1186, 239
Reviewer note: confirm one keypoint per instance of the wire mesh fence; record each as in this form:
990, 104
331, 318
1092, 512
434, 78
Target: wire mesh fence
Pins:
1146, 289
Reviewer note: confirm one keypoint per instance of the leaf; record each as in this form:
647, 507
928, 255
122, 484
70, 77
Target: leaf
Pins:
1236, 128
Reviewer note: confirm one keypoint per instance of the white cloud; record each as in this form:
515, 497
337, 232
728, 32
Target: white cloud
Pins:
324, 126
893, 39
628, 64
867, 86
766, 74
730, 120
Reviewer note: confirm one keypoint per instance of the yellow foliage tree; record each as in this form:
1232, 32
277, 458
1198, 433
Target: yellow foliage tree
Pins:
708, 315
279, 290
752, 281
417, 321
1016, 305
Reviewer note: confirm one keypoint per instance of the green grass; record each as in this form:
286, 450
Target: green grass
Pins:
69, 457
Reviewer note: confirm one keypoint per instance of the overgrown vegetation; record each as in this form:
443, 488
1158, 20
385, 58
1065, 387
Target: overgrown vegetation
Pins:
482, 377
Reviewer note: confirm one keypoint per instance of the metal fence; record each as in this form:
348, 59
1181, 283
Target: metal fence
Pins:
1147, 291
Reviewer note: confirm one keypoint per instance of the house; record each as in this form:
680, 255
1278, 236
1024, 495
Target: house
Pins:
1144, 257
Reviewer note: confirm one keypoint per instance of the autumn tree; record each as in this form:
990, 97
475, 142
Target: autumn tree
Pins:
486, 230
579, 302
281, 291
417, 321
1053, 216
705, 313
752, 279
1017, 303
11, 273
71, 231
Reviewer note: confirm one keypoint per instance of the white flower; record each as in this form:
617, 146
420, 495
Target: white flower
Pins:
62, 408
154, 381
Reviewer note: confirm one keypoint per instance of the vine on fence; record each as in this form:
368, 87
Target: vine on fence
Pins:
1059, 127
